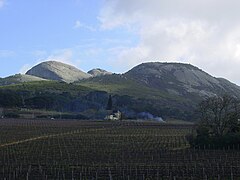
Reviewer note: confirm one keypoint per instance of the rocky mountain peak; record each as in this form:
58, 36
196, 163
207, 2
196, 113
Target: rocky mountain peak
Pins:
54, 70
172, 72
177, 78
98, 72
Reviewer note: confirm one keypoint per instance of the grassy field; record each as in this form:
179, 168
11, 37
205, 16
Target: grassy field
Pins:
70, 149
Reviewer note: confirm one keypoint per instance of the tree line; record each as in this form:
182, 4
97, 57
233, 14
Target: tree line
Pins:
219, 125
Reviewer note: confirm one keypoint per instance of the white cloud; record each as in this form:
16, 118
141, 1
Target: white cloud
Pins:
68, 56
6, 53
25, 68
79, 24
61, 55
2, 3
205, 33
39, 53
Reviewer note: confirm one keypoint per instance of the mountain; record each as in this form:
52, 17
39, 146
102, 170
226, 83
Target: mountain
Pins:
54, 70
167, 90
132, 97
163, 89
182, 80
98, 72
19, 78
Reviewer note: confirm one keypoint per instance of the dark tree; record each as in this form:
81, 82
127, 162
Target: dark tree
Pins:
41, 102
109, 104
219, 124
9, 99
219, 114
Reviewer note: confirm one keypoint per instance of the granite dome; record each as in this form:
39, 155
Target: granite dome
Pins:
54, 70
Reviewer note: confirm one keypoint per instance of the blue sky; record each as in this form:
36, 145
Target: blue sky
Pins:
118, 34
64, 30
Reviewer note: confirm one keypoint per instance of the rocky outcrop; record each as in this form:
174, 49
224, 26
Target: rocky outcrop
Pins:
181, 79
54, 70
19, 78
98, 72
165, 90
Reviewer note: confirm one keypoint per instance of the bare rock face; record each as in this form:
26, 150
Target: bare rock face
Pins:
19, 78
54, 70
181, 79
98, 72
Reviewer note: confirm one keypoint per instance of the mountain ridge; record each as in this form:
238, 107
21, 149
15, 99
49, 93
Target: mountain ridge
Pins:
164, 89
99, 72
19, 78
54, 70
179, 76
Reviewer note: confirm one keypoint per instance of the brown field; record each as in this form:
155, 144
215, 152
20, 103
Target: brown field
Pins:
70, 149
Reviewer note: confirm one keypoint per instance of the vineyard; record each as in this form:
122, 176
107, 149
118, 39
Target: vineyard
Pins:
68, 149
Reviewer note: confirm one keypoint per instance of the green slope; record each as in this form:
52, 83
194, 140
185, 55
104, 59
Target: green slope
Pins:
48, 86
91, 95
141, 98
18, 79
118, 84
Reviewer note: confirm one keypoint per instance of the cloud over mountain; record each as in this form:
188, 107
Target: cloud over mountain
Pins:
204, 33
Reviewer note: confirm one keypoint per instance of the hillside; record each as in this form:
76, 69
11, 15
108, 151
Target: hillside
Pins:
54, 70
98, 72
132, 96
168, 90
164, 89
19, 78
120, 84
181, 79
41, 87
